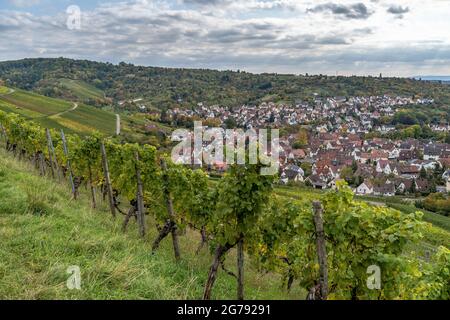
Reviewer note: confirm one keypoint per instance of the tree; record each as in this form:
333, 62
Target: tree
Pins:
302, 138
423, 173
297, 145
404, 117
230, 123
347, 175
212, 122
413, 188
354, 166
307, 168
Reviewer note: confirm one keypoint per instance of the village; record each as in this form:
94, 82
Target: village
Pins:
336, 147
376, 166
355, 114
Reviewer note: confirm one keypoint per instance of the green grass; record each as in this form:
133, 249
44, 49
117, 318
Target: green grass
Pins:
42, 105
434, 218
8, 107
81, 89
4, 90
85, 119
399, 203
43, 232
406, 205
59, 114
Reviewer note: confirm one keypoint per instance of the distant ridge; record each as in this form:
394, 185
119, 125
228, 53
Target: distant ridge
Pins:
433, 78
89, 82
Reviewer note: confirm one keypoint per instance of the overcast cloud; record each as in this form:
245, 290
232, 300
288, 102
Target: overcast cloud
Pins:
285, 36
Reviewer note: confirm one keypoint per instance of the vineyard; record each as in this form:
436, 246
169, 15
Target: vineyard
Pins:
324, 247
72, 117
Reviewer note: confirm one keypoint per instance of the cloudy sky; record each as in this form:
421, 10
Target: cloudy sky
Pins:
397, 38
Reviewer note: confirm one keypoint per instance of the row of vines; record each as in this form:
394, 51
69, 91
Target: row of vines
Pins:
326, 249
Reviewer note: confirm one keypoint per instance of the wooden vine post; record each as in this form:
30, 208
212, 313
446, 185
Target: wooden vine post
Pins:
321, 250
240, 266
91, 184
5, 135
140, 198
50, 152
108, 180
41, 163
170, 225
69, 168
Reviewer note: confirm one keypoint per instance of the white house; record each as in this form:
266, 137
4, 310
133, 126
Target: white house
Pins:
384, 167
446, 175
292, 173
386, 190
394, 153
364, 188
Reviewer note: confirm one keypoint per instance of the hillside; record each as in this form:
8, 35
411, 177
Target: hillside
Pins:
168, 87
81, 89
278, 228
43, 232
73, 117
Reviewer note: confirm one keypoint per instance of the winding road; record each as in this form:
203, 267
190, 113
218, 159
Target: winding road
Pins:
75, 106
10, 91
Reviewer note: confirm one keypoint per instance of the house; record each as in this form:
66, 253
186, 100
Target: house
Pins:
333, 183
403, 186
385, 190
377, 155
394, 153
406, 155
433, 152
220, 166
444, 162
408, 171
292, 173
384, 167
424, 186
365, 171
317, 181
364, 188
446, 175
427, 164
297, 154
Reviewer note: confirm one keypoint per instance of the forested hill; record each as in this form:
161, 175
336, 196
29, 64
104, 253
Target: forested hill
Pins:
169, 87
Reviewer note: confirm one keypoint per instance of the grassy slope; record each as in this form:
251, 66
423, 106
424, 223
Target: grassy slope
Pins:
44, 106
56, 113
43, 232
85, 119
408, 207
81, 89
3, 90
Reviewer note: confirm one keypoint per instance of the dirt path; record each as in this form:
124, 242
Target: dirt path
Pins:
75, 106
10, 92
